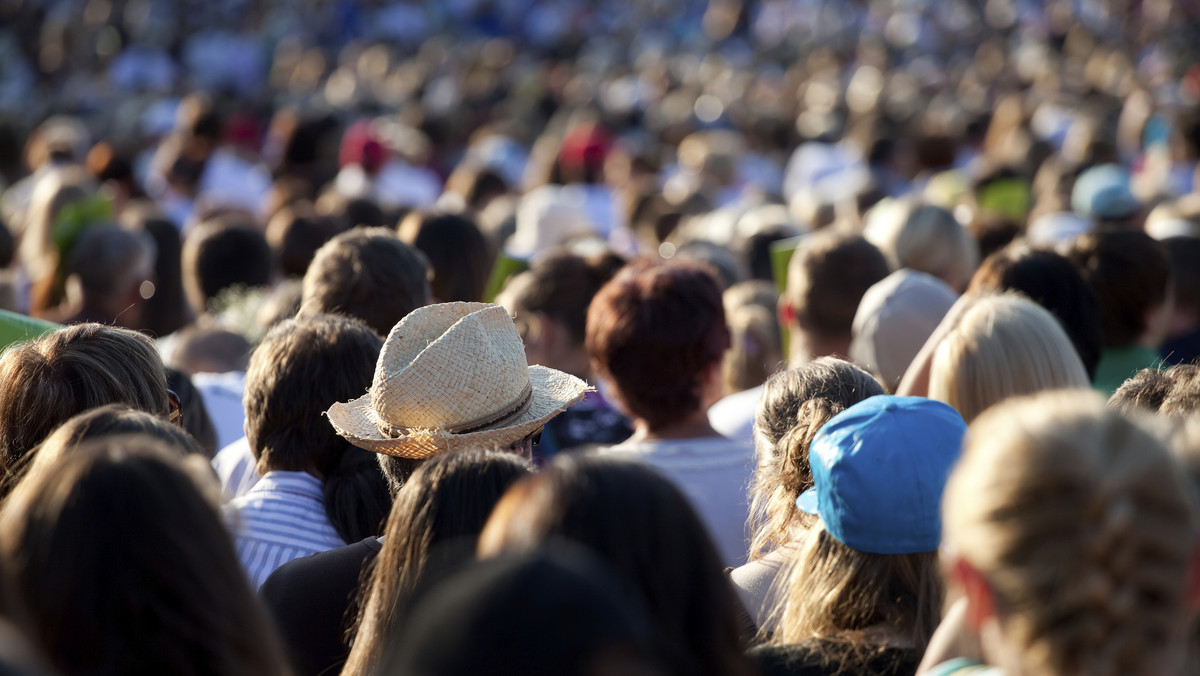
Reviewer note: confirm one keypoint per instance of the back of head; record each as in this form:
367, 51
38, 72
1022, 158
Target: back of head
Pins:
655, 330
1049, 280
302, 367
127, 568
1130, 273
555, 611
113, 420
894, 319
644, 527
218, 256
210, 349
1003, 346
73, 369
561, 286
295, 233
458, 252
1083, 527
1145, 391
448, 498
928, 239
109, 261
795, 404
755, 350
827, 277
367, 273
166, 310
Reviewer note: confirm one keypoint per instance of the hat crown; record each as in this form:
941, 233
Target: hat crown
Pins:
449, 366
879, 469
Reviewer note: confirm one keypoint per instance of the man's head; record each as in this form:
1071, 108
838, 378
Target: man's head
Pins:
452, 376
219, 255
1130, 273
105, 274
369, 274
299, 369
827, 277
657, 332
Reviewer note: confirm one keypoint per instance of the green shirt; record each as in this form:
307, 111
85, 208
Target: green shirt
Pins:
1117, 364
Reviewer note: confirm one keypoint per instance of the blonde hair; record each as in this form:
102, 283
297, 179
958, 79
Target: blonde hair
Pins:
755, 345
928, 239
854, 602
1083, 526
1005, 345
795, 404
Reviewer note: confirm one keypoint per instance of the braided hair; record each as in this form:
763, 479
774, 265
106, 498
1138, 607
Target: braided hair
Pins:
1083, 526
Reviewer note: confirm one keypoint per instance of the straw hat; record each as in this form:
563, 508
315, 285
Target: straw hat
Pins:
450, 376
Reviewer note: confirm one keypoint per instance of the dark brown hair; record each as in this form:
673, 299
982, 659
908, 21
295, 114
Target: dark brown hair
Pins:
653, 331
73, 369
367, 273
449, 496
457, 251
127, 568
300, 369
222, 254
638, 522
1130, 272
1050, 280
562, 286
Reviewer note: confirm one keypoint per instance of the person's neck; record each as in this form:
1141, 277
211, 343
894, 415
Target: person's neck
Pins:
695, 426
806, 347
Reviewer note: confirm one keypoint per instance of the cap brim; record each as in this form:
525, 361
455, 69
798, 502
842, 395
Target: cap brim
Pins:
553, 392
807, 502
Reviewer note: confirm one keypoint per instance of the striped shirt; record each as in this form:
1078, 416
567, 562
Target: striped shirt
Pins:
280, 519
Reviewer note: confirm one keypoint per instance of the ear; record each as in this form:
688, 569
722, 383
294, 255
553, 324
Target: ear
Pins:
787, 313
980, 603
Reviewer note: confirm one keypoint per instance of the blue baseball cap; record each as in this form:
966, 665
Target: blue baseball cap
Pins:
879, 469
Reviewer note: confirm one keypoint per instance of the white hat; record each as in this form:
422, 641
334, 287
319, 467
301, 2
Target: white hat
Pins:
453, 375
895, 318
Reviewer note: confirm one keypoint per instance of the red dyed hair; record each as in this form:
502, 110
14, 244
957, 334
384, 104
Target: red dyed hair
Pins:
653, 331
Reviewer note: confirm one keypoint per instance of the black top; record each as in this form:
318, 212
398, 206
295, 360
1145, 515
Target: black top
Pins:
813, 658
313, 600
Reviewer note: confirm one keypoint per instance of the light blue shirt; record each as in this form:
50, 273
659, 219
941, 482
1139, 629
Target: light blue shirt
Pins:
280, 519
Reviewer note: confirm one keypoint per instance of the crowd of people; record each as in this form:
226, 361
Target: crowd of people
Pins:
679, 338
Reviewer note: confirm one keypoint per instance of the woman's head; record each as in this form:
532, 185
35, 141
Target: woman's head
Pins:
795, 404
448, 497
71, 370
657, 332
928, 239
1052, 281
867, 573
1003, 346
1080, 527
126, 567
640, 524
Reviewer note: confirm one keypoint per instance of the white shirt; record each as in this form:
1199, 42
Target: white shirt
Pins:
715, 475
235, 467
733, 415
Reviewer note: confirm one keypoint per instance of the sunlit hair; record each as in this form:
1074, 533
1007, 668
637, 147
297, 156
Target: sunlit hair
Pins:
795, 404
928, 239
755, 349
124, 567
447, 497
855, 602
1171, 392
73, 369
1003, 346
1083, 527
643, 526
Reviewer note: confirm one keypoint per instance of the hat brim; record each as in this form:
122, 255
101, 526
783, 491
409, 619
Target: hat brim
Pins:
807, 501
553, 392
